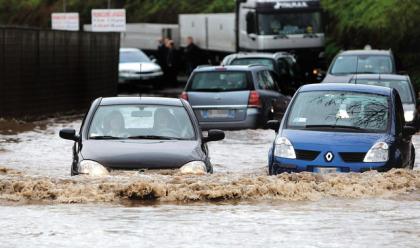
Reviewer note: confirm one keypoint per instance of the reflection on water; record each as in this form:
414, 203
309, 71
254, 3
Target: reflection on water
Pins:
239, 205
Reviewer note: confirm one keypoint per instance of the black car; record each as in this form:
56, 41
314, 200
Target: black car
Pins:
133, 133
284, 65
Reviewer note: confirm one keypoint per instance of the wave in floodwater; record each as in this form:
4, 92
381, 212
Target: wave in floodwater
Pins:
171, 186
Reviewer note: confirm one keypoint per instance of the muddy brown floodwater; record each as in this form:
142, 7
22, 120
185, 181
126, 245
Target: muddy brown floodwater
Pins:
239, 205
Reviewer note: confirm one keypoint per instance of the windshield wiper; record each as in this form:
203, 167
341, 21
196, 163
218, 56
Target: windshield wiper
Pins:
334, 126
154, 137
105, 137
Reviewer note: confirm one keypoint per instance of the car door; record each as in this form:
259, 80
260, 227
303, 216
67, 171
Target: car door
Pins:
403, 142
274, 103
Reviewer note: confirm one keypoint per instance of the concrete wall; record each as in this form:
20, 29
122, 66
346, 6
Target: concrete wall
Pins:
44, 71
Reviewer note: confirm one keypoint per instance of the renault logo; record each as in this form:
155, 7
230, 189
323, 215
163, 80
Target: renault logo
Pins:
329, 156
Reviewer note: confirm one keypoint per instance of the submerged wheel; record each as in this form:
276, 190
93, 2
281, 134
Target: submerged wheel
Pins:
413, 158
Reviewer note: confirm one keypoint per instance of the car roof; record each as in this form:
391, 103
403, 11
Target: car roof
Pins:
381, 76
140, 100
347, 87
260, 55
230, 68
366, 52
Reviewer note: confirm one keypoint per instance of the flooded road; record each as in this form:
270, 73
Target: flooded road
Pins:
236, 206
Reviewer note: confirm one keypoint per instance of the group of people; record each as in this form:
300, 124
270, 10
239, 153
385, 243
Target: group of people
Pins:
170, 58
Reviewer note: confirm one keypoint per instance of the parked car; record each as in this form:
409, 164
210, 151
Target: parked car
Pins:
401, 83
330, 128
136, 133
351, 62
136, 68
234, 97
282, 63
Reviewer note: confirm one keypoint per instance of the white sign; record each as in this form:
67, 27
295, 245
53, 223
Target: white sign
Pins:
65, 21
108, 20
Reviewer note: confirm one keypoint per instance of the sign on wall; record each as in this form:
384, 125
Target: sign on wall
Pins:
108, 20
65, 21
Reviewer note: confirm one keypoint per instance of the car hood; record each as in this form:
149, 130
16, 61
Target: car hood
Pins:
337, 78
139, 67
332, 141
142, 154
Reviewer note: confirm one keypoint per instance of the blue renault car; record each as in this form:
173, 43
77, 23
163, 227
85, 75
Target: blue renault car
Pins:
333, 128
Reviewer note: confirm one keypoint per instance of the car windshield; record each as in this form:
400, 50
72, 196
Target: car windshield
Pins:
358, 64
141, 122
254, 61
402, 86
341, 111
218, 81
289, 23
134, 56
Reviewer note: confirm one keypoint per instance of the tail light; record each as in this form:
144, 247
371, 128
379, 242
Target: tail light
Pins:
254, 99
184, 95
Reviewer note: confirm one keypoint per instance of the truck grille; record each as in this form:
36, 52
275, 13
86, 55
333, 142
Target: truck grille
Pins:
352, 157
306, 154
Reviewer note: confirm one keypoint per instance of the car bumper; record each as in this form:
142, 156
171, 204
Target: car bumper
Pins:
128, 78
251, 121
281, 165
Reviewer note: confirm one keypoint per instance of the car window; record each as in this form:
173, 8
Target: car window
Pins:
131, 121
367, 112
218, 81
133, 57
402, 86
283, 67
358, 64
254, 61
265, 81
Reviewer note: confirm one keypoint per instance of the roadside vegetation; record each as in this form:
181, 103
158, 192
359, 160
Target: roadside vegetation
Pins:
385, 24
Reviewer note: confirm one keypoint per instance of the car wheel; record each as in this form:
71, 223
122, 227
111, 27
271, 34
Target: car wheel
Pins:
413, 158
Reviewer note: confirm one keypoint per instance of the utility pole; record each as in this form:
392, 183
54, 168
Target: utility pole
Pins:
109, 4
64, 6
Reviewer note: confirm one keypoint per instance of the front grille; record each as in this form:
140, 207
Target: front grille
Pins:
307, 155
352, 157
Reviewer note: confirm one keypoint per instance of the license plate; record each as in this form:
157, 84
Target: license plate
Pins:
218, 113
326, 170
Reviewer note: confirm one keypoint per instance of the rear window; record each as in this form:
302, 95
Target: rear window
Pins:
254, 61
359, 64
218, 81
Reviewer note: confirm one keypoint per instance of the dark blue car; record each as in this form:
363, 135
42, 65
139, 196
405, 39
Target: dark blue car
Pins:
332, 128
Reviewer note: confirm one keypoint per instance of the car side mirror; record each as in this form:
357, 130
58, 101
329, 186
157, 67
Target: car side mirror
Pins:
214, 135
274, 125
69, 134
409, 131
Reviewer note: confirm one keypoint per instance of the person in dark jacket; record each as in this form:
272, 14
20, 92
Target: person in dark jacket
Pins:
171, 62
192, 55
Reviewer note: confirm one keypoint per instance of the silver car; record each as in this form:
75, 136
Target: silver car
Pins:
234, 97
136, 67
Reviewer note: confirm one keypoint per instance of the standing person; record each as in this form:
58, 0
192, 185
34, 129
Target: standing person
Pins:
171, 61
162, 53
192, 55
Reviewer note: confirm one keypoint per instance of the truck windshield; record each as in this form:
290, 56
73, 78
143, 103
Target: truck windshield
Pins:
254, 61
358, 64
289, 23
341, 111
218, 81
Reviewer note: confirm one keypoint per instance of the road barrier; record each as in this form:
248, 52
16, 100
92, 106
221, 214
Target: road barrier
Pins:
43, 72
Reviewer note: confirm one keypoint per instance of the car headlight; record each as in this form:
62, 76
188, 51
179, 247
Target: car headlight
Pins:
92, 168
194, 167
284, 149
409, 115
378, 153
